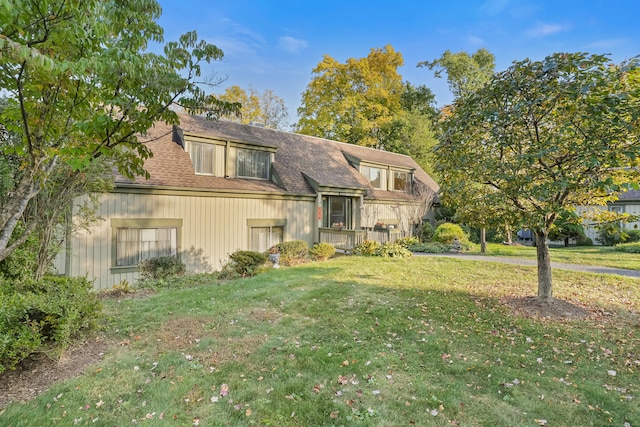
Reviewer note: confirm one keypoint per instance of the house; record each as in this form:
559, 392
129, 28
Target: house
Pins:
217, 187
627, 203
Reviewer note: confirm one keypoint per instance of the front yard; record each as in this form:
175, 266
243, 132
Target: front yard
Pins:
361, 341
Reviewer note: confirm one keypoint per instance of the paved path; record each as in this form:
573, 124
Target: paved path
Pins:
532, 262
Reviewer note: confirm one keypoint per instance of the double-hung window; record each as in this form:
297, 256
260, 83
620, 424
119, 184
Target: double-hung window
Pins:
264, 233
400, 181
253, 163
202, 156
336, 212
139, 240
374, 175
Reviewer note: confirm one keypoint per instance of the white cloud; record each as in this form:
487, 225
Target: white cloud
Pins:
544, 30
291, 44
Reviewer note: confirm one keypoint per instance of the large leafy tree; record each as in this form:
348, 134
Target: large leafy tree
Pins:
81, 85
266, 108
365, 102
543, 137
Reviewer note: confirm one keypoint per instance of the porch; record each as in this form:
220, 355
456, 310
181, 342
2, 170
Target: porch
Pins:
349, 239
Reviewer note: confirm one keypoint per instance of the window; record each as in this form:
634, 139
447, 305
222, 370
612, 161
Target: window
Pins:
138, 244
400, 181
262, 238
374, 175
336, 212
253, 163
202, 157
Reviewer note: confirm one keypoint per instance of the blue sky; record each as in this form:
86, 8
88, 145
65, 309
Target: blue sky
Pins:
270, 44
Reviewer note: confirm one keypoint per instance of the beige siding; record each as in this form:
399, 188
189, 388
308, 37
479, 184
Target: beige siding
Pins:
406, 214
590, 229
213, 228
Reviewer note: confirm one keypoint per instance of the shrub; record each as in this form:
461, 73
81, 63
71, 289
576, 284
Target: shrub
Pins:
293, 252
447, 232
611, 234
322, 251
47, 313
633, 247
405, 242
633, 236
425, 233
584, 241
161, 268
393, 250
367, 247
243, 264
430, 248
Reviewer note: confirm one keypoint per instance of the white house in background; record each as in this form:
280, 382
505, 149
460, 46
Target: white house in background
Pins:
216, 187
628, 202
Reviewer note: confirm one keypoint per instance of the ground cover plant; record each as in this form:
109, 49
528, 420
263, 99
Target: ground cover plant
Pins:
605, 256
364, 341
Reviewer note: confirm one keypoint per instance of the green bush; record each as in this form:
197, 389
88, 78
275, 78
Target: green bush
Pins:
425, 232
393, 250
243, 264
322, 251
430, 247
405, 242
161, 268
633, 235
584, 241
447, 232
611, 234
367, 247
293, 252
633, 247
44, 314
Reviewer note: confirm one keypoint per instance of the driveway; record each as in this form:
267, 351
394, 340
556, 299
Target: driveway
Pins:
531, 262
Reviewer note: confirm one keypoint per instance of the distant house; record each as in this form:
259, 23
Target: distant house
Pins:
628, 202
216, 187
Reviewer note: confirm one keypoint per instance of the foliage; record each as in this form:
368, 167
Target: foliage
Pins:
322, 251
392, 250
119, 289
405, 242
367, 247
161, 268
567, 226
81, 85
430, 247
243, 264
633, 235
266, 108
447, 232
188, 280
425, 232
584, 241
611, 234
632, 248
465, 73
540, 138
293, 252
43, 315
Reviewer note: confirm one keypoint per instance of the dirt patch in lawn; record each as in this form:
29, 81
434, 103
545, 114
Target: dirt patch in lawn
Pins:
531, 306
38, 373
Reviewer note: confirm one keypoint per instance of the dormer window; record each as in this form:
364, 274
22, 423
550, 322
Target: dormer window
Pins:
374, 175
400, 181
202, 156
253, 163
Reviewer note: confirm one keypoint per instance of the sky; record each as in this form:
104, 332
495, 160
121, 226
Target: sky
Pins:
274, 45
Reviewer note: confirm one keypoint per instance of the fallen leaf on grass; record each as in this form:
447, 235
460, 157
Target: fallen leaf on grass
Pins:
224, 390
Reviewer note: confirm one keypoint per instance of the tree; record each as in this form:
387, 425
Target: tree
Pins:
356, 102
567, 226
543, 137
81, 86
365, 102
266, 108
465, 73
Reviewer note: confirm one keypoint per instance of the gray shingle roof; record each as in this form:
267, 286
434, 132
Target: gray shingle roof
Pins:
297, 155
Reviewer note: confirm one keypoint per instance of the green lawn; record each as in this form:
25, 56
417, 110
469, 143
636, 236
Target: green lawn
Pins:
604, 256
359, 341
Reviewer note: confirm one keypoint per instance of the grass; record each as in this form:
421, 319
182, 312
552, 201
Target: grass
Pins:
604, 256
359, 341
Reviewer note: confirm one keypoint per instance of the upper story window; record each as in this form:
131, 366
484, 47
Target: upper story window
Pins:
374, 175
400, 181
202, 156
253, 163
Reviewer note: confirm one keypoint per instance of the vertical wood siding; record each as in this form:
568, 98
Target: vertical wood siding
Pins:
213, 228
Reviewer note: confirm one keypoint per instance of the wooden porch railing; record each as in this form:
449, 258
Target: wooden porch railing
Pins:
349, 239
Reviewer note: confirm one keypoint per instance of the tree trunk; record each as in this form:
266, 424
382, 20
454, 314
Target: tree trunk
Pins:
507, 232
483, 240
544, 267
